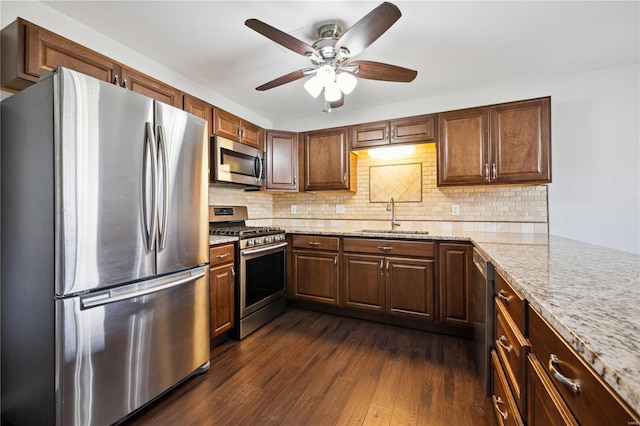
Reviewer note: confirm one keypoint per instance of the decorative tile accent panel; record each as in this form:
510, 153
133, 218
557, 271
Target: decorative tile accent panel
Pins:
403, 182
259, 203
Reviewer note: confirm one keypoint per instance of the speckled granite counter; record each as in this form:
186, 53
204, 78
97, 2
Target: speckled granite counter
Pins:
221, 239
590, 294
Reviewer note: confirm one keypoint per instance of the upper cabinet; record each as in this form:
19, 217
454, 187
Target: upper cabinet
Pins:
29, 52
282, 161
498, 144
199, 108
417, 129
328, 162
231, 127
148, 86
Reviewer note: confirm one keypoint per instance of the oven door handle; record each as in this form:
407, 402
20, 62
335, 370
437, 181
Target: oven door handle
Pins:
262, 249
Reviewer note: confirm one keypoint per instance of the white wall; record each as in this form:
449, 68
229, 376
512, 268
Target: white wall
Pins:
594, 196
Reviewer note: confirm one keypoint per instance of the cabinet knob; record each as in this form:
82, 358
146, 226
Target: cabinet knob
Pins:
124, 84
116, 81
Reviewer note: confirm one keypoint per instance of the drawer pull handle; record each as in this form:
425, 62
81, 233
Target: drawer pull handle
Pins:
555, 362
496, 402
222, 256
385, 248
314, 243
504, 296
501, 342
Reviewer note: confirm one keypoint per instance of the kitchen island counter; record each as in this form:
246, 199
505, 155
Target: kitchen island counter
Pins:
589, 294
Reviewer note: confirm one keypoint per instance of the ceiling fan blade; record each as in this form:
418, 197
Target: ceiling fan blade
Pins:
281, 37
369, 28
338, 103
379, 71
288, 78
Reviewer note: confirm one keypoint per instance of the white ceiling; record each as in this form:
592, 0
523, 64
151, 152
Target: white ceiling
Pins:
455, 46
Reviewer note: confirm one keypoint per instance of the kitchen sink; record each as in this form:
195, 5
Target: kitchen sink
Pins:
395, 231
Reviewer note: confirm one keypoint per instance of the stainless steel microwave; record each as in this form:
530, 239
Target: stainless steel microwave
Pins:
235, 164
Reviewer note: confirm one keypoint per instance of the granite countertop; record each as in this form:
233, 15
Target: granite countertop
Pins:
590, 294
221, 239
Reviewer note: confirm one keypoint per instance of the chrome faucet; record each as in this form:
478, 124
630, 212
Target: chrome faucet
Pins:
391, 207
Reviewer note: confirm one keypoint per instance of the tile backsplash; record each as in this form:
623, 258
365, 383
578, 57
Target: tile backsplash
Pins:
484, 209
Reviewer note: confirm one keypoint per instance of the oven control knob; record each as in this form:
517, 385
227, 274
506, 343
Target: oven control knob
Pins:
249, 242
268, 240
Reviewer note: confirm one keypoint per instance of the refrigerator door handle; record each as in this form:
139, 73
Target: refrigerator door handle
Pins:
150, 155
108, 297
162, 156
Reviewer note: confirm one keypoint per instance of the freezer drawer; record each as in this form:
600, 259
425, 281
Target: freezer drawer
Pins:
119, 349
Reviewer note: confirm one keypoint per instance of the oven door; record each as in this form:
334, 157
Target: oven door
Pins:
262, 277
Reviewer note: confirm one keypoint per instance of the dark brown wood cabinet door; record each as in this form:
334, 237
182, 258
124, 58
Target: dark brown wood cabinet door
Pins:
226, 125
327, 160
463, 147
370, 135
410, 287
455, 272
251, 135
222, 301
315, 276
417, 129
545, 405
43, 51
199, 108
363, 283
521, 142
282, 161
148, 86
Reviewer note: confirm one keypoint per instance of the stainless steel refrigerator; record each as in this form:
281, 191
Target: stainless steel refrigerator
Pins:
104, 230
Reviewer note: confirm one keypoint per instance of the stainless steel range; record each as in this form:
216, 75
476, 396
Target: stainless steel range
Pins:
260, 264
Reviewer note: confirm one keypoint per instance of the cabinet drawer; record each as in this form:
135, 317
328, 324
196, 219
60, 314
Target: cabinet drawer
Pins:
513, 349
390, 247
593, 402
316, 242
512, 301
544, 404
220, 254
504, 405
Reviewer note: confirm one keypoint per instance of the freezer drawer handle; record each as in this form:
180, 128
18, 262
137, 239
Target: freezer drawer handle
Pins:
100, 300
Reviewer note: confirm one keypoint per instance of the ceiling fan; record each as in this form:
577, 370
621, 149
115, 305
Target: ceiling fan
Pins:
330, 54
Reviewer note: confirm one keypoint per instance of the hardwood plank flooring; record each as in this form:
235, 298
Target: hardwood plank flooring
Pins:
311, 368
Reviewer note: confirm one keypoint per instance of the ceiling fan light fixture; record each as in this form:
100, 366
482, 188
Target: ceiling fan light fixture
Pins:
314, 86
332, 92
326, 74
347, 82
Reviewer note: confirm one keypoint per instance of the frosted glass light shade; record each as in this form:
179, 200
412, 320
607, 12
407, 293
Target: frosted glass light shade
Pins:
326, 74
347, 82
314, 86
332, 92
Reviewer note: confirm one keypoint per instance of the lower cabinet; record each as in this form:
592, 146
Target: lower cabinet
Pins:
392, 276
578, 393
455, 268
316, 268
221, 289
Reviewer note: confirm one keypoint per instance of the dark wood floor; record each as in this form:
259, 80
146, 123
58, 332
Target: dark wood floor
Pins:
310, 368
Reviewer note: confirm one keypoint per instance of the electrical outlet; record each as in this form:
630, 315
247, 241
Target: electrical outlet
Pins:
455, 210
339, 208
294, 209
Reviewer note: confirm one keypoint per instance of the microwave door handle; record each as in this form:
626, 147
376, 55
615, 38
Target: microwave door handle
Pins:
257, 167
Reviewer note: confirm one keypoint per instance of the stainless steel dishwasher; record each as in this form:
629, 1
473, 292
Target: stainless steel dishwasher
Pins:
483, 316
